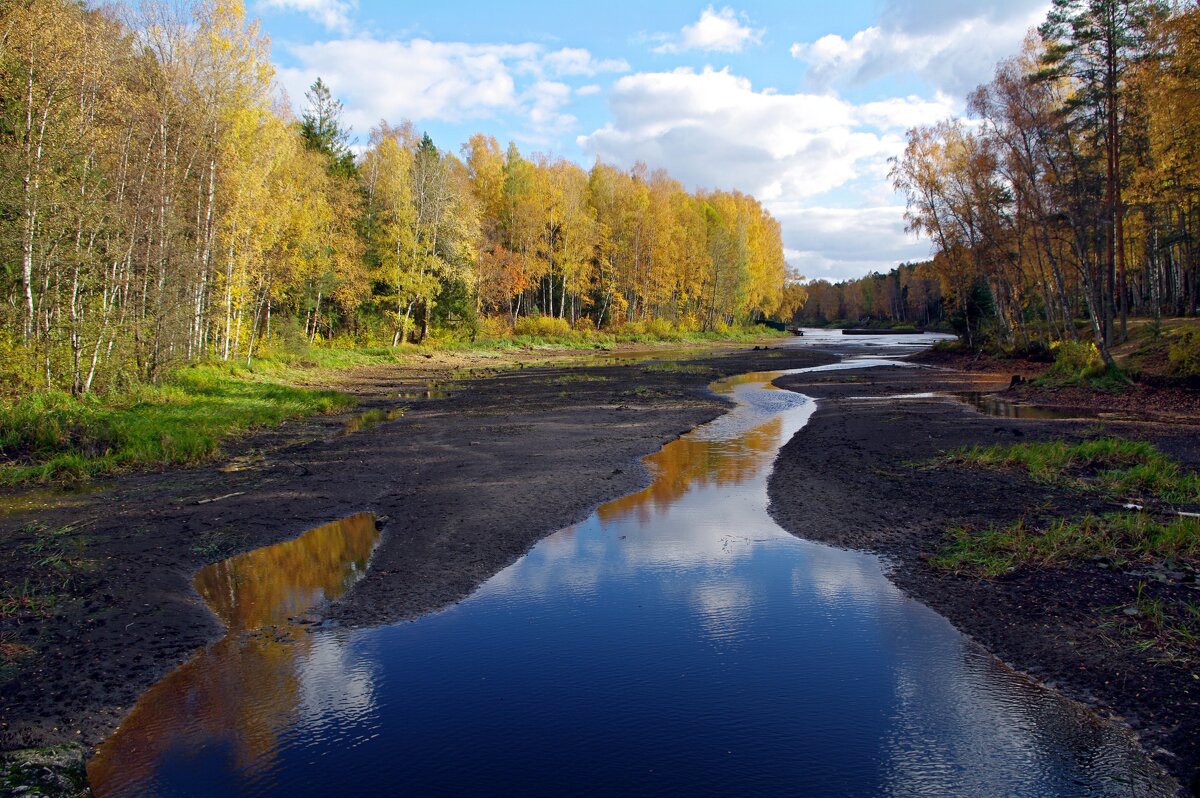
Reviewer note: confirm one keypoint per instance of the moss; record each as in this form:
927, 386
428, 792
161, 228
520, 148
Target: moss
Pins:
55, 772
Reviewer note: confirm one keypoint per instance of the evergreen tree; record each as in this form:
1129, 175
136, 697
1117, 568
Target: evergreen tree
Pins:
321, 128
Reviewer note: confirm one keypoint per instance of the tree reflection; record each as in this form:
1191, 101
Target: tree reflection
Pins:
693, 461
206, 702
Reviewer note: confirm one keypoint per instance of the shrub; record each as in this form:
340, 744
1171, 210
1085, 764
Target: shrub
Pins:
495, 327
543, 327
1183, 356
1077, 359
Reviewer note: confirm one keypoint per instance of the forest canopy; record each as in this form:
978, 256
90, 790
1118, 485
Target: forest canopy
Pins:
162, 204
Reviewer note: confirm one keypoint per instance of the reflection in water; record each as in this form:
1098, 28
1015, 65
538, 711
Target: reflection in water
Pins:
198, 711
677, 641
371, 418
991, 405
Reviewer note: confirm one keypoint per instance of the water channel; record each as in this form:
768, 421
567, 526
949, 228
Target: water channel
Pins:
677, 641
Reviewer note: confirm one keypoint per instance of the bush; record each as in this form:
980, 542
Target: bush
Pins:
491, 327
1183, 357
543, 327
1077, 359
650, 330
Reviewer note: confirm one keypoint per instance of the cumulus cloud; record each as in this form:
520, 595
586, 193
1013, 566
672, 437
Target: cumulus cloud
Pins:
445, 81
952, 44
836, 243
332, 14
711, 128
716, 31
793, 151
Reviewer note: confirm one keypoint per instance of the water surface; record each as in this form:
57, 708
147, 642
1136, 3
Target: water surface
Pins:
677, 641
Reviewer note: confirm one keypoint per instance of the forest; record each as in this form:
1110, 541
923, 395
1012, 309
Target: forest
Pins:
1072, 189
162, 204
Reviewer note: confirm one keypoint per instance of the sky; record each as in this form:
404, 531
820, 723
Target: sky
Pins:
799, 103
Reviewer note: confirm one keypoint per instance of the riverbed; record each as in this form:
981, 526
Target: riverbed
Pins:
676, 640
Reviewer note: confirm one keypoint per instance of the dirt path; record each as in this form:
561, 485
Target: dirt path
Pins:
466, 485
858, 476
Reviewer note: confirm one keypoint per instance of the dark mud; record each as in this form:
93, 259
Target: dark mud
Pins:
462, 485
860, 476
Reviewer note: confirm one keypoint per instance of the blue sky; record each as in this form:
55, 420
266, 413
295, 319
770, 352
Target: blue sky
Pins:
798, 103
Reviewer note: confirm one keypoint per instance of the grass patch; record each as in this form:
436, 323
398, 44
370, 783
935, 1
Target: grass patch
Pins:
1121, 538
1119, 467
54, 436
566, 379
679, 368
1169, 628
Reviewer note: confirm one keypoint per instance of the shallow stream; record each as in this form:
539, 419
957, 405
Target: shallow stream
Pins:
677, 641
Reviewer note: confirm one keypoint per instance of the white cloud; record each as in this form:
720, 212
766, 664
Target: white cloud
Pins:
955, 45
546, 100
332, 14
577, 61
444, 81
712, 129
588, 90
799, 153
716, 31
837, 243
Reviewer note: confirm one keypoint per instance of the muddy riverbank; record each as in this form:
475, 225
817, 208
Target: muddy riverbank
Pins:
463, 486
859, 475
467, 478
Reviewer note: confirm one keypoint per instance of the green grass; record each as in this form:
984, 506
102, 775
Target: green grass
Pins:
1118, 467
641, 333
1121, 538
566, 379
54, 436
679, 368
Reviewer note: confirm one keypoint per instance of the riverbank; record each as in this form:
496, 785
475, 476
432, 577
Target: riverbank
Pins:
53, 437
468, 464
99, 600
869, 472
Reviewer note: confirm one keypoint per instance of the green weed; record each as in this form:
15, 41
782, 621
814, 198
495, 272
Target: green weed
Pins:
1121, 538
1118, 467
679, 368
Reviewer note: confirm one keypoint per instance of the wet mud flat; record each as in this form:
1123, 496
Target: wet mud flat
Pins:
461, 484
860, 476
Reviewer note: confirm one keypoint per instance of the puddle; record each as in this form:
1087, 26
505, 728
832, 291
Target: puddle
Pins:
50, 498
256, 595
677, 641
423, 395
371, 418
994, 406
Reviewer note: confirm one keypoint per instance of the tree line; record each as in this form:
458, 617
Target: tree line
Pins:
161, 204
1073, 189
907, 294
